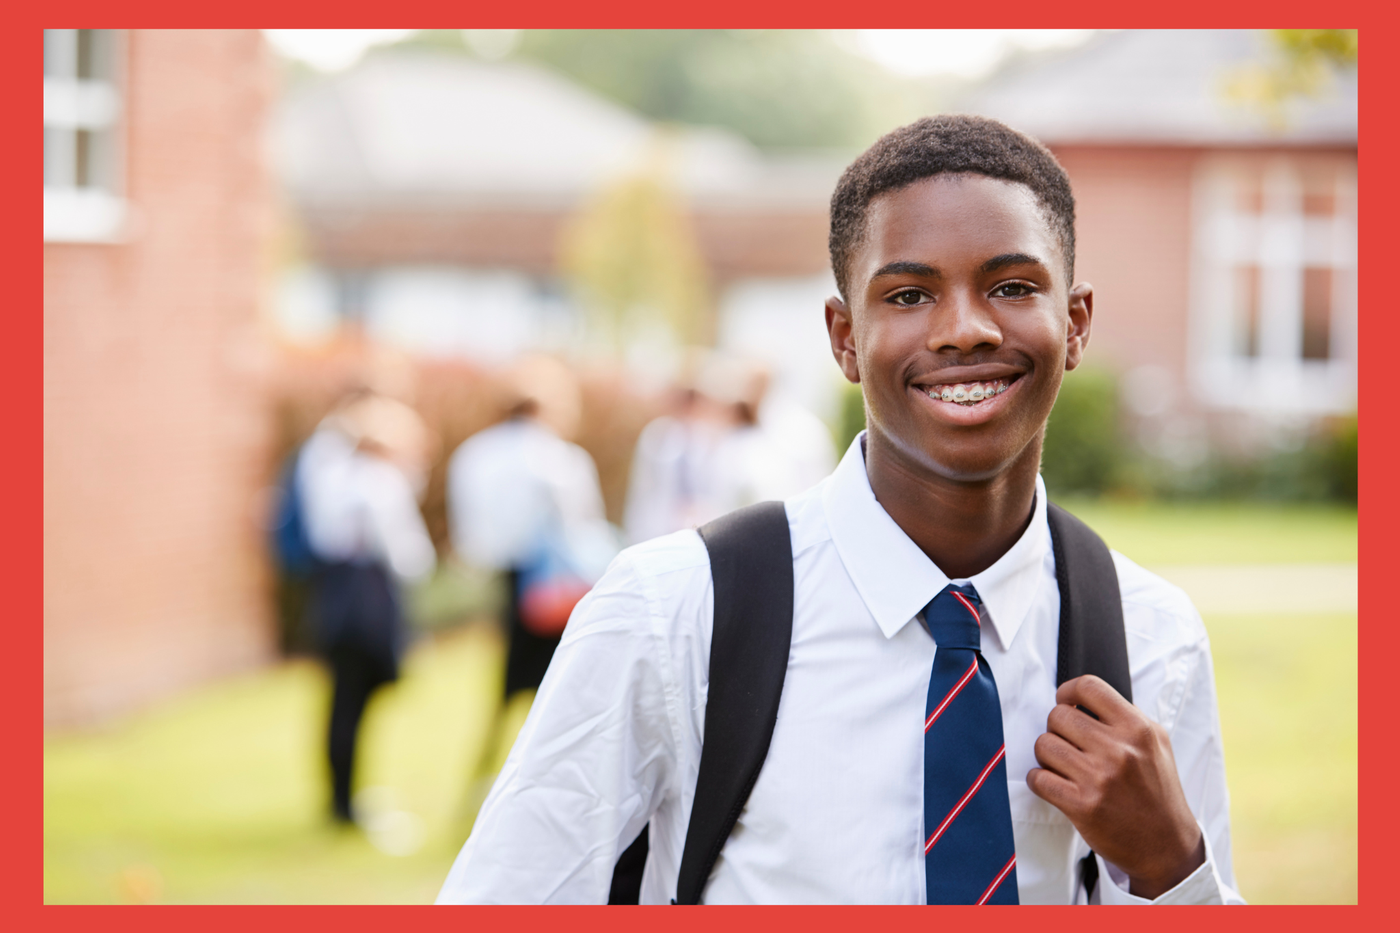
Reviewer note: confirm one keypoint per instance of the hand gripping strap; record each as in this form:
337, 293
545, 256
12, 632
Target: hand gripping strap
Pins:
751, 566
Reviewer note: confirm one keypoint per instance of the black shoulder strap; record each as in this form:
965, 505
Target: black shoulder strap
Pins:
751, 565
1092, 640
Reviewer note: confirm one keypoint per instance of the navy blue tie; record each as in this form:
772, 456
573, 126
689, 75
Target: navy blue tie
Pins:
969, 852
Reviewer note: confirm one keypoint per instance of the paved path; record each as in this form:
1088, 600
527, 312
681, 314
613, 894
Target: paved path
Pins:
1266, 588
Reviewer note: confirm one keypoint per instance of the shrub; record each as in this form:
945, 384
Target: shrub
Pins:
1084, 450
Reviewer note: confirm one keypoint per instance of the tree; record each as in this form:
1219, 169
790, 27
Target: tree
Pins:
632, 255
1304, 64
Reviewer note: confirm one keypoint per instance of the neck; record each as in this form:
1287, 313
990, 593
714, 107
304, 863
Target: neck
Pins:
964, 526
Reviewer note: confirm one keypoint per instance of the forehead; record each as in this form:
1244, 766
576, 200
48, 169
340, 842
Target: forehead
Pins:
945, 219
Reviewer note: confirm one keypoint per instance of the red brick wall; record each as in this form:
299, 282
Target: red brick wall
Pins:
155, 426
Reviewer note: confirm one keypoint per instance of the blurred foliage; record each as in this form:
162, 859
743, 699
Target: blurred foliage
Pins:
780, 88
1320, 466
1087, 453
1304, 64
632, 254
850, 417
1084, 449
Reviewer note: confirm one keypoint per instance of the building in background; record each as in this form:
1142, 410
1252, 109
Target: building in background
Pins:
435, 193
1220, 238
156, 203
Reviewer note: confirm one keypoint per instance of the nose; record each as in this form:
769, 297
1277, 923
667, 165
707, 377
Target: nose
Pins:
963, 323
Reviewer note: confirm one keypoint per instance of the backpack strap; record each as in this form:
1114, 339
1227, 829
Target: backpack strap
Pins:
751, 565
1092, 639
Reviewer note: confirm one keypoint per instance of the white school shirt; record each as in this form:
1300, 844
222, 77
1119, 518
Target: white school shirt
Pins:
512, 484
358, 507
613, 740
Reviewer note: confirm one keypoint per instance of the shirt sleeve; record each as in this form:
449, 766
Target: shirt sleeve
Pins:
1200, 762
396, 524
592, 763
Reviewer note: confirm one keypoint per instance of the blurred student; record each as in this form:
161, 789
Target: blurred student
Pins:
773, 448
359, 477
672, 475
525, 501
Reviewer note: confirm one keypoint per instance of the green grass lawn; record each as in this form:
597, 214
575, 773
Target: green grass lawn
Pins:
218, 796
1287, 691
1153, 532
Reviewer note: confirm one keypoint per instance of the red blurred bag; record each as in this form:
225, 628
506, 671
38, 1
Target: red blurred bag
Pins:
548, 590
545, 606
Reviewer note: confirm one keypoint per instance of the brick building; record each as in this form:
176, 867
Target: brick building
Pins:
155, 426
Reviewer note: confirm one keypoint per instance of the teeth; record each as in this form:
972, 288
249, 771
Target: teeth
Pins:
968, 393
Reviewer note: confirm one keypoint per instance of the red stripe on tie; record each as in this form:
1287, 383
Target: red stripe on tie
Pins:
996, 882
971, 791
957, 688
970, 608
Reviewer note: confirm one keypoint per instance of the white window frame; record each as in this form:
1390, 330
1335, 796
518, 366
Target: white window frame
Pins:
87, 214
1281, 241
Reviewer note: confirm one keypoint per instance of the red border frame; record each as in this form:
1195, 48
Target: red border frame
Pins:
22, 372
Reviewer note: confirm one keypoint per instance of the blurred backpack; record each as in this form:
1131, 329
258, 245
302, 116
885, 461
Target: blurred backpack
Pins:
290, 544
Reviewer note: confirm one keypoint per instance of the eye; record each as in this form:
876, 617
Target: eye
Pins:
1013, 290
907, 297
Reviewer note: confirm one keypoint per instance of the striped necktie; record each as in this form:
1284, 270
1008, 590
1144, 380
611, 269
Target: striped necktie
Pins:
969, 852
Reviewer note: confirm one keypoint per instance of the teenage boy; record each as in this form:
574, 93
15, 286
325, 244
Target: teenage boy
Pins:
952, 242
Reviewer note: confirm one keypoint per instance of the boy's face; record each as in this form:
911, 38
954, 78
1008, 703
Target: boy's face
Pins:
959, 289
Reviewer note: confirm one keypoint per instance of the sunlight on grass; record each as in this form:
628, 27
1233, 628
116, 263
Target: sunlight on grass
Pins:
219, 797
1222, 533
1287, 689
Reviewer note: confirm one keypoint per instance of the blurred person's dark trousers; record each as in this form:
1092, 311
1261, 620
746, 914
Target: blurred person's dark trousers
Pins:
359, 624
527, 654
527, 658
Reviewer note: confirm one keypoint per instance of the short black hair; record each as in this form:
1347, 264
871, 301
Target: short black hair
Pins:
943, 145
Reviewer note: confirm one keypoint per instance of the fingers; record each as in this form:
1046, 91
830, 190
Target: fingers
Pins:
1052, 788
1095, 695
1073, 725
1057, 755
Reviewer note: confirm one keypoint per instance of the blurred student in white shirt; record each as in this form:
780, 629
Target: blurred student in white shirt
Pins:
359, 478
669, 486
525, 501
774, 448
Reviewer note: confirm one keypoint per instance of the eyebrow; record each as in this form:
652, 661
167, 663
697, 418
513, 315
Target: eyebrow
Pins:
1009, 259
904, 267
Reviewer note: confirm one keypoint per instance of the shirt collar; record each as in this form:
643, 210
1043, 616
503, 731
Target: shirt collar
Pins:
895, 579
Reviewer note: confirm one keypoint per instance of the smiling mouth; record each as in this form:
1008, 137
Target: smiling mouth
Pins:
969, 393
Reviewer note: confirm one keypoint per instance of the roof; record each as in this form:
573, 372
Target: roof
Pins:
1156, 87
447, 131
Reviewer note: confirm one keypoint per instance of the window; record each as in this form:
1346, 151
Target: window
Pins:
1273, 305
82, 136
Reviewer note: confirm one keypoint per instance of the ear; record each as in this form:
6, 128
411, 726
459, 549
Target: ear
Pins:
838, 329
1081, 316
